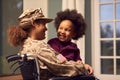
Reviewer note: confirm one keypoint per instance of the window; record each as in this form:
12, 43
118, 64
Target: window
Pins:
107, 39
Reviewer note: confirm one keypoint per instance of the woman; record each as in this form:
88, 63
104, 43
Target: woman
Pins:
30, 33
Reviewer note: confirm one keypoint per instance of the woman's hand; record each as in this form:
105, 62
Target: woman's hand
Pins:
89, 69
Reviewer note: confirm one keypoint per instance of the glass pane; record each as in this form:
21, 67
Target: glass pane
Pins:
107, 66
106, 12
118, 47
118, 0
107, 48
102, 1
117, 11
117, 29
118, 66
106, 30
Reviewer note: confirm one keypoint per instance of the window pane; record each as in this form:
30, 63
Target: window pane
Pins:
106, 30
107, 48
106, 12
102, 1
118, 47
118, 0
117, 11
118, 66
107, 66
117, 29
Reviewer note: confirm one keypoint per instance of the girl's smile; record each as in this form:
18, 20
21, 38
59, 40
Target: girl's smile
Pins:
65, 31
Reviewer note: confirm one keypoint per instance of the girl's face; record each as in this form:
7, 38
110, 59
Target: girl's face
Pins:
65, 31
39, 31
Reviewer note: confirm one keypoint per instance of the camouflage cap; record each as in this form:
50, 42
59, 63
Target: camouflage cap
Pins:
32, 15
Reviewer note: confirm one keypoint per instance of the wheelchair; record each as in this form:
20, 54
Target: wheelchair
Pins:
30, 70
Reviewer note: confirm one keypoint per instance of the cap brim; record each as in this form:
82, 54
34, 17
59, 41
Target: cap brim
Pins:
47, 20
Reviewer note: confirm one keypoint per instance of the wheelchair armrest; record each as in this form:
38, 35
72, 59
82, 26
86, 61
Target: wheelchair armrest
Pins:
13, 57
27, 63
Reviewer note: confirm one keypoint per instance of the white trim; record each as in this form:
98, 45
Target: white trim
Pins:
95, 37
68, 4
80, 6
64, 4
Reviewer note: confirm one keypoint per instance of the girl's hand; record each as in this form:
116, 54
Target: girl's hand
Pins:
79, 61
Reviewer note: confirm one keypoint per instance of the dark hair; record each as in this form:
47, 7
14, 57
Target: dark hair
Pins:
76, 18
16, 35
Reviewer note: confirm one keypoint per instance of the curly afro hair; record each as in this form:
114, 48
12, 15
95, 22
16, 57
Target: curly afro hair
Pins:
76, 18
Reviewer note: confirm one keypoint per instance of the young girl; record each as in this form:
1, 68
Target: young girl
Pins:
69, 25
29, 34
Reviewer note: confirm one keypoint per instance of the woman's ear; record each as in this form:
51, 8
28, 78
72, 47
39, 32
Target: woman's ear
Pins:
33, 24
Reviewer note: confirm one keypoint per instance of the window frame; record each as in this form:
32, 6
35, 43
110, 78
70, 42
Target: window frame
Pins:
95, 31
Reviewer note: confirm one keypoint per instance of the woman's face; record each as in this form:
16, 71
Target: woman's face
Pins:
39, 31
65, 31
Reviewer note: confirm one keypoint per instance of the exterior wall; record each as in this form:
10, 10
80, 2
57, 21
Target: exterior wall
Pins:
36, 4
9, 12
52, 10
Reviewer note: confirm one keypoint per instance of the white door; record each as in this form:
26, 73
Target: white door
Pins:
106, 38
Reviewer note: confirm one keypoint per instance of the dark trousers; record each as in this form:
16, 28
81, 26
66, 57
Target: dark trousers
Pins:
74, 78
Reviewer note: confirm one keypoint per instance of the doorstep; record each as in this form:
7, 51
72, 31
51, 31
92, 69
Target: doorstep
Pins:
11, 77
